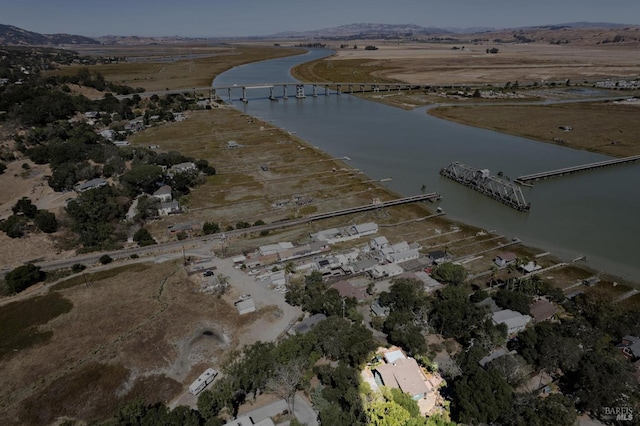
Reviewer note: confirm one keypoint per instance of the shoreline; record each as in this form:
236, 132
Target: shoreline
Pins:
552, 253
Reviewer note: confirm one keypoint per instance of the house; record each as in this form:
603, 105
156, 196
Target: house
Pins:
171, 207
365, 228
346, 289
378, 243
108, 134
182, 168
403, 256
232, 144
307, 324
363, 265
91, 114
630, 347
163, 194
274, 248
530, 267
490, 304
498, 353
429, 283
386, 271
378, 310
503, 259
121, 143
187, 227
542, 310
515, 321
403, 373
90, 184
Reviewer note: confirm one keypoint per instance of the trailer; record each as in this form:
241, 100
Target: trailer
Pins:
201, 382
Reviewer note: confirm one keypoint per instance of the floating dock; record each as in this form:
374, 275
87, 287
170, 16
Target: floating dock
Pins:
575, 169
502, 190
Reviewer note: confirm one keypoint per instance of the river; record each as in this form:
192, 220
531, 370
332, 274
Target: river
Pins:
592, 213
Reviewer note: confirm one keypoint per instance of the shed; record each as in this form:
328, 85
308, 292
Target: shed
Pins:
246, 306
503, 259
307, 324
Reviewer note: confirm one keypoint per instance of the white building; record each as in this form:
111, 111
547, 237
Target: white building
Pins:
172, 207
386, 271
515, 321
403, 256
163, 194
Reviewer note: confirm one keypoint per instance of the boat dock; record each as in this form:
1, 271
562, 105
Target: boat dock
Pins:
568, 170
501, 190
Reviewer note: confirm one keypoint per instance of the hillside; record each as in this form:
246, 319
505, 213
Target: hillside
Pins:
10, 35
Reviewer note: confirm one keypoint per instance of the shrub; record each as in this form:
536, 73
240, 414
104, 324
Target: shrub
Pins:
78, 267
23, 277
105, 259
46, 221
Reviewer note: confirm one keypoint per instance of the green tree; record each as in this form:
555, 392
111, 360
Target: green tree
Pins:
3, 167
142, 178
105, 259
23, 277
450, 273
14, 226
209, 228
143, 237
516, 301
147, 207
481, 396
46, 221
25, 207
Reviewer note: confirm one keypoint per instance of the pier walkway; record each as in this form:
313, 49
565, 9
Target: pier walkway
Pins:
568, 170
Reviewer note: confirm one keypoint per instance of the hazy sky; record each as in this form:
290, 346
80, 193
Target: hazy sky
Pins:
263, 17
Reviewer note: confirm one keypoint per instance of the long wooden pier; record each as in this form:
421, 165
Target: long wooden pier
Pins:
569, 170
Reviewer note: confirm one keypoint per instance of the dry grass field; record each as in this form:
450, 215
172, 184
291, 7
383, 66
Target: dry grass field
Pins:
156, 68
134, 331
607, 127
436, 63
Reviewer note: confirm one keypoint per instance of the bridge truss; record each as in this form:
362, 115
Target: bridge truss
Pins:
499, 189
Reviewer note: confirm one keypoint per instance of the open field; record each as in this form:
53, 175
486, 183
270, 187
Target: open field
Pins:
607, 127
436, 63
138, 331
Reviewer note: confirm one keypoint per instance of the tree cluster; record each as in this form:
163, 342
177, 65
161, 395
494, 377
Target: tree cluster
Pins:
314, 296
22, 278
25, 215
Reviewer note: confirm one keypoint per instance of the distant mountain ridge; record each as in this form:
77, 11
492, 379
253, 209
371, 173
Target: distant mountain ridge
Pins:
10, 35
356, 29
375, 29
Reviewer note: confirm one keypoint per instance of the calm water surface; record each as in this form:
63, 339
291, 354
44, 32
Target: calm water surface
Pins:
596, 214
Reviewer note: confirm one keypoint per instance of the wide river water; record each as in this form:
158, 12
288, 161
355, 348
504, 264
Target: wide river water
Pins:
595, 213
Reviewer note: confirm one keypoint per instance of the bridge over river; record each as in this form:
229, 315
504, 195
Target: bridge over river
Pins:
298, 90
